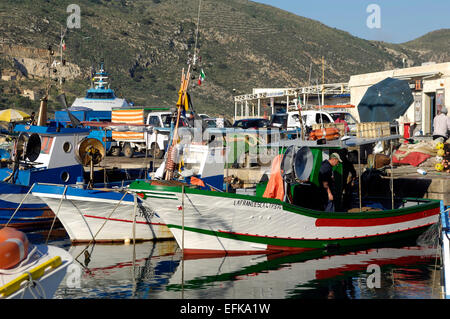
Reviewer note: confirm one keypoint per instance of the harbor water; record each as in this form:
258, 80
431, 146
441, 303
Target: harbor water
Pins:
156, 270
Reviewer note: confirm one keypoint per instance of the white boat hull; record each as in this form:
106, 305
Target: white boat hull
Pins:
97, 219
45, 286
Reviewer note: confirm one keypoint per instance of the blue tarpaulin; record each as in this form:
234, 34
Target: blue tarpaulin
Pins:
385, 101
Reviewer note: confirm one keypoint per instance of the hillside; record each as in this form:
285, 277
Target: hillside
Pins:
146, 43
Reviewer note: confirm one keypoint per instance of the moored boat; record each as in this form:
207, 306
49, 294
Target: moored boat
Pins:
445, 251
101, 215
45, 154
28, 271
100, 97
204, 221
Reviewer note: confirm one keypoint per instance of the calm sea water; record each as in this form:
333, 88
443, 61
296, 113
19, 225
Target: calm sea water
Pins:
155, 270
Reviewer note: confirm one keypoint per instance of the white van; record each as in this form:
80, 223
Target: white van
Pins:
290, 120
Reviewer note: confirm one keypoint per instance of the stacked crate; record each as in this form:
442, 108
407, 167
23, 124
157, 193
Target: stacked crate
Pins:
373, 129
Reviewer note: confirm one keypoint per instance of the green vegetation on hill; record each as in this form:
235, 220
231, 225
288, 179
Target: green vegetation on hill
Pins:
146, 43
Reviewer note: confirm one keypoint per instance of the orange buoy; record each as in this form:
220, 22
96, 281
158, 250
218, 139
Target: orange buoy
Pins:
13, 247
330, 133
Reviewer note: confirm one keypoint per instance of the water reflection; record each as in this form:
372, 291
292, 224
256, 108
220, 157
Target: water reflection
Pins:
314, 274
155, 270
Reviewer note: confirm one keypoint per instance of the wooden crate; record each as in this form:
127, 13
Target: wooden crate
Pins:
372, 129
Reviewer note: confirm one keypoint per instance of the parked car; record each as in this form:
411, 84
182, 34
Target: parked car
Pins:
215, 122
163, 119
251, 123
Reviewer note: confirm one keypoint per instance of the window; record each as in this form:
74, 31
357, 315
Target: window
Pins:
65, 176
154, 121
67, 147
347, 117
101, 96
322, 118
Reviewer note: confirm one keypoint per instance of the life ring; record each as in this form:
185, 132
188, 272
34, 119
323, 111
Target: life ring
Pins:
13, 247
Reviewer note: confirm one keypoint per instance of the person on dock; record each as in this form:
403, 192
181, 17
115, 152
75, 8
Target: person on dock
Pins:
327, 183
341, 119
191, 119
441, 125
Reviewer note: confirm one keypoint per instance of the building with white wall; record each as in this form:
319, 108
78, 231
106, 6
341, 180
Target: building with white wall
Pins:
430, 86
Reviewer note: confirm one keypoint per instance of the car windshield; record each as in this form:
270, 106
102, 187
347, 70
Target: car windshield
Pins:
211, 123
167, 118
251, 123
279, 119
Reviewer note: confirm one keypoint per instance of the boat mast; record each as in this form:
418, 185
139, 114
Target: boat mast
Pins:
182, 100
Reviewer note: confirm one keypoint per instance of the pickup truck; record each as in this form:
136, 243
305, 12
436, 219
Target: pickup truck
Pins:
153, 139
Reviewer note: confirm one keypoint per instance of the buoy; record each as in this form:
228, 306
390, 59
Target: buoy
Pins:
440, 146
13, 247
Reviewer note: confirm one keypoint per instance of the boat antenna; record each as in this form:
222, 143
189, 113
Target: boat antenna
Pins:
62, 47
196, 33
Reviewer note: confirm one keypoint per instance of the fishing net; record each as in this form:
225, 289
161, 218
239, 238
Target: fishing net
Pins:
431, 236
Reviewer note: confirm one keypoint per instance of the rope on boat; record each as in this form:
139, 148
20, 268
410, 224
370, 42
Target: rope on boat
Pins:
104, 223
31, 285
56, 214
17, 209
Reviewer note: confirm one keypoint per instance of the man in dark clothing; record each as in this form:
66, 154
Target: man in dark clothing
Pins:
326, 181
348, 181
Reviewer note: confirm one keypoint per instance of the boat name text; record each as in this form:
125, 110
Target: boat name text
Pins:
249, 203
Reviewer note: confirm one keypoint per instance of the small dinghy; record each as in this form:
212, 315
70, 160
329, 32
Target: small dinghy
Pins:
28, 271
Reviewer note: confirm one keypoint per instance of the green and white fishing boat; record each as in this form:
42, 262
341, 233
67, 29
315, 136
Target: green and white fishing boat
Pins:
209, 221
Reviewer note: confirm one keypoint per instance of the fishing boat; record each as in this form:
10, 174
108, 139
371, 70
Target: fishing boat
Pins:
45, 154
445, 251
117, 215
29, 271
100, 97
212, 222
101, 215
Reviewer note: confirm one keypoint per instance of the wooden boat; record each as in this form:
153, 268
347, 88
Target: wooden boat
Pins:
101, 215
204, 221
208, 221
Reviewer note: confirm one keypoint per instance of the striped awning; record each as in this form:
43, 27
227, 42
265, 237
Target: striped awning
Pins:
128, 117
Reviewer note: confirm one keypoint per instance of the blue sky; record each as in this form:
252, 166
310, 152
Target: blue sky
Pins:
400, 20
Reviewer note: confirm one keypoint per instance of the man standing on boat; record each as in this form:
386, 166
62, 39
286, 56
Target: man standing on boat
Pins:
326, 181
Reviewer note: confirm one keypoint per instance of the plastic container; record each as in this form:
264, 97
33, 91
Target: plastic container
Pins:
421, 171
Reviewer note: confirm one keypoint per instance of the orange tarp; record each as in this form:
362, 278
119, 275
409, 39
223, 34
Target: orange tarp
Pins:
275, 186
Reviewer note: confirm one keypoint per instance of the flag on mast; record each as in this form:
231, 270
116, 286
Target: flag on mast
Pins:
201, 77
63, 44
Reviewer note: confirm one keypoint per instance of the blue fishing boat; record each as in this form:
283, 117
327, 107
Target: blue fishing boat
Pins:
100, 96
445, 250
44, 154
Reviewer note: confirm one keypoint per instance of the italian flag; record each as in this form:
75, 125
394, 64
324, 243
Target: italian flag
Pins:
63, 44
201, 77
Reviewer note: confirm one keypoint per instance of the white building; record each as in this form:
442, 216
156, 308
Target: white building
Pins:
430, 85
